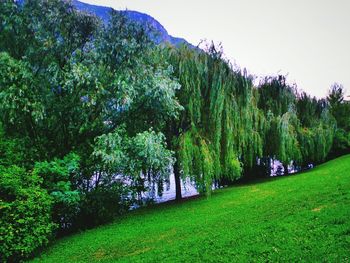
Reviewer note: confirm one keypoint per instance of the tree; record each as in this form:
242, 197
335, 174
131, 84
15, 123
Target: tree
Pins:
220, 129
277, 101
139, 159
75, 79
300, 128
340, 109
317, 129
21, 105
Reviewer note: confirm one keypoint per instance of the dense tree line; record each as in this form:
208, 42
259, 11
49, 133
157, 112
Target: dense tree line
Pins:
94, 115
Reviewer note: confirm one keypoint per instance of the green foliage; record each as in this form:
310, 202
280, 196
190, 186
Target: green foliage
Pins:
197, 161
276, 95
70, 81
54, 30
57, 176
142, 160
340, 109
103, 204
220, 122
12, 151
288, 149
308, 110
111, 110
120, 40
148, 153
315, 136
110, 152
14, 35
277, 100
300, 128
25, 214
58, 170
135, 75
20, 104
341, 141
139, 158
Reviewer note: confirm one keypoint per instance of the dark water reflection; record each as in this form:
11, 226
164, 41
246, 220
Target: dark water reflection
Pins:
188, 189
169, 192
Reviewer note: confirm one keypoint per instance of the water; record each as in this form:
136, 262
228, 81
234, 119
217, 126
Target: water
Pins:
188, 189
169, 192
277, 168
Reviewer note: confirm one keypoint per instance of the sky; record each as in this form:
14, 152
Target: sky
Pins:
307, 40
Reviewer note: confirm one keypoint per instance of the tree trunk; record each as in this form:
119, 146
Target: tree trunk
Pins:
285, 167
177, 180
268, 166
173, 132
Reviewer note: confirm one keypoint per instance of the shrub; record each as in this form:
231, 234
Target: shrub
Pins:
57, 176
25, 214
103, 204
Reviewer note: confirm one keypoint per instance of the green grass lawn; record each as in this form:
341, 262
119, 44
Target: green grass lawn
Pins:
305, 217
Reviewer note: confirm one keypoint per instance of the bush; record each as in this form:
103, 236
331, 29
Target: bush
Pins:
103, 204
57, 176
25, 214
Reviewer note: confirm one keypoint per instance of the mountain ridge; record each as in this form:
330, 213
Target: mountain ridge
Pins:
162, 35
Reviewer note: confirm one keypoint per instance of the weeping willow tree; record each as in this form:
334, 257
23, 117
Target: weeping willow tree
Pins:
315, 143
227, 126
276, 95
288, 145
317, 129
277, 100
300, 128
218, 133
281, 140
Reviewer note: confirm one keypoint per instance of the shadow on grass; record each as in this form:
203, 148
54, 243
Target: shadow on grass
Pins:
151, 208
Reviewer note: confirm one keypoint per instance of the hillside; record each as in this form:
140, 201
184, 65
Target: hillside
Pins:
303, 217
161, 36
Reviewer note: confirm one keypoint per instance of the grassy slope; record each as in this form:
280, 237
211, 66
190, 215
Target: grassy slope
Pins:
306, 216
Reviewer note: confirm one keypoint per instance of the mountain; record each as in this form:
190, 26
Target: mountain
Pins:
162, 35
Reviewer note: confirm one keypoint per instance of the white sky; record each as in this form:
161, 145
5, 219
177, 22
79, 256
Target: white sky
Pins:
307, 39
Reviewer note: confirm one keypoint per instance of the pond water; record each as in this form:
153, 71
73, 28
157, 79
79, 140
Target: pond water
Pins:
169, 192
188, 189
